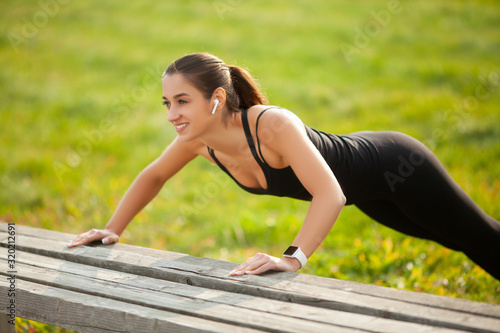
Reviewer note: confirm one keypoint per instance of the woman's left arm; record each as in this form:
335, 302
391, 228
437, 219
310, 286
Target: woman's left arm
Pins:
285, 133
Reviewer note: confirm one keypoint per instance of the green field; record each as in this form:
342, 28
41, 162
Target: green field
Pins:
81, 115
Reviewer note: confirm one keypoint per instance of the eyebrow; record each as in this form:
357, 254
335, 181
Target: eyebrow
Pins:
178, 95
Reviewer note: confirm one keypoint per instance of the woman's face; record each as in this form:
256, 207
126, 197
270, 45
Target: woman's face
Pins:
187, 109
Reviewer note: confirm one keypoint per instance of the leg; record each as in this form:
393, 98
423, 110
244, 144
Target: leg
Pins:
431, 199
388, 214
455, 221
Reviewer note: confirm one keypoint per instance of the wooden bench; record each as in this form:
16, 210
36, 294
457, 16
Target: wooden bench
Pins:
125, 288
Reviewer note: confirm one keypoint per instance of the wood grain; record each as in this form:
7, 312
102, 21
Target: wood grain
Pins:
92, 288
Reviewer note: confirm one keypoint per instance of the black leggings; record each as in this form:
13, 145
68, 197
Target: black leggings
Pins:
415, 195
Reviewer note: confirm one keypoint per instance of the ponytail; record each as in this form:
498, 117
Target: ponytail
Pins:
207, 73
246, 88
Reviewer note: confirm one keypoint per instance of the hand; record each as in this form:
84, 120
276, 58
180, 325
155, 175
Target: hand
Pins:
105, 235
262, 262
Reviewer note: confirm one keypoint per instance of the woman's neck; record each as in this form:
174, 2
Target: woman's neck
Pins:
226, 139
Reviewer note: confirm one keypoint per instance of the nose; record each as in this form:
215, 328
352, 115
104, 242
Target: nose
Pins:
172, 114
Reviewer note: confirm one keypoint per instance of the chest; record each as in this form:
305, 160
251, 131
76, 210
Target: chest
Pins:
244, 166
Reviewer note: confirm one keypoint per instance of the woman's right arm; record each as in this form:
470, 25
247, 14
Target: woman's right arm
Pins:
144, 188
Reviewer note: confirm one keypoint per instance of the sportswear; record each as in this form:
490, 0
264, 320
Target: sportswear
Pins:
396, 180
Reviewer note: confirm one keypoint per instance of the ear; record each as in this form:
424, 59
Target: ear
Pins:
220, 94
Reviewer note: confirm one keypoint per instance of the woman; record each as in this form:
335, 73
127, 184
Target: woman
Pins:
220, 114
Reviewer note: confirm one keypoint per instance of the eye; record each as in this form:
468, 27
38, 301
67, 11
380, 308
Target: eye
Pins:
166, 103
181, 101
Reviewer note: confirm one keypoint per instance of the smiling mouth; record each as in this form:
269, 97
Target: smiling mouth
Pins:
180, 126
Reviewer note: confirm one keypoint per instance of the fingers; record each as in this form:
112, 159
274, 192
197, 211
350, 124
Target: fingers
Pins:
259, 263
94, 235
240, 270
261, 269
78, 240
110, 239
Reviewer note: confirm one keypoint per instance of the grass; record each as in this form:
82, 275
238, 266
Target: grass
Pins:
81, 116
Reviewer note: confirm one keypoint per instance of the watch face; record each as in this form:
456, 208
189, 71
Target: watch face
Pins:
290, 251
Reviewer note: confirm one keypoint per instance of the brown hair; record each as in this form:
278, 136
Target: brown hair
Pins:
207, 73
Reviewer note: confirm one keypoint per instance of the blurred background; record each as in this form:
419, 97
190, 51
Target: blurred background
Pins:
81, 115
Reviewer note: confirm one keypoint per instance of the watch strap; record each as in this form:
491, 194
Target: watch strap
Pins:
299, 255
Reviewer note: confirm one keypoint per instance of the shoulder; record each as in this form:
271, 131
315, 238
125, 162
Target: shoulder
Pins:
273, 122
268, 115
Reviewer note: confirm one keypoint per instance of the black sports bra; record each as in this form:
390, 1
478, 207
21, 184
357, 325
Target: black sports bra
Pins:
353, 158
280, 182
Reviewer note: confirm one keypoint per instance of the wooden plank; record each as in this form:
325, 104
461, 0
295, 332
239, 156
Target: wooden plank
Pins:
436, 301
142, 293
87, 313
5, 327
179, 271
461, 305
339, 320
201, 268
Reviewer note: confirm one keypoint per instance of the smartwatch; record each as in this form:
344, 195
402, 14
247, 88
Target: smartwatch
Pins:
296, 252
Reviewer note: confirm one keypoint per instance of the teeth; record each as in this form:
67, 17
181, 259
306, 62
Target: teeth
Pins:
181, 126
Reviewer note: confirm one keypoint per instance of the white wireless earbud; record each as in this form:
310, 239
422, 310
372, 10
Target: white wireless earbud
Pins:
216, 101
